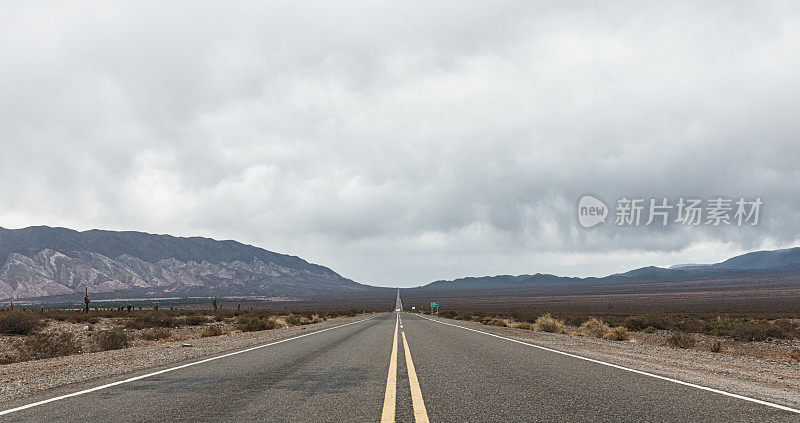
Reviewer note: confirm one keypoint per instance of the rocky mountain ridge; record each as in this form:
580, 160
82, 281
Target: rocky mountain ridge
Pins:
177, 266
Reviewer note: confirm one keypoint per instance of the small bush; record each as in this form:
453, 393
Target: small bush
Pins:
211, 331
649, 329
619, 333
716, 347
155, 334
657, 321
493, 321
292, 320
193, 320
48, 345
681, 340
548, 323
522, 325
253, 324
594, 327
111, 339
19, 323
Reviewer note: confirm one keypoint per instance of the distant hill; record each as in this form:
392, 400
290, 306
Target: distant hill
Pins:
43, 261
760, 262
776, 259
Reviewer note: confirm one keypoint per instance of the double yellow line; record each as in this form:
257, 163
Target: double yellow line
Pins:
390, 396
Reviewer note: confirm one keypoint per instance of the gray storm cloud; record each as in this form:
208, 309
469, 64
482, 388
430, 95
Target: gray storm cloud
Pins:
400, 144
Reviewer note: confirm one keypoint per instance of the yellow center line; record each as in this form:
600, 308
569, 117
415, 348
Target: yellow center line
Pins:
390, 396
420, 414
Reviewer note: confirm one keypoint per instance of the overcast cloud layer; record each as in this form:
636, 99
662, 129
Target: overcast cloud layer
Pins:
404, 143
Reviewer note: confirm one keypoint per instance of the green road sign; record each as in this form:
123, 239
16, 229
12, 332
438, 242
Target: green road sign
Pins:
434, 304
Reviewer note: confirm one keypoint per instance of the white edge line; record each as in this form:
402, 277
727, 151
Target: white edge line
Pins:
680, 382
133, 379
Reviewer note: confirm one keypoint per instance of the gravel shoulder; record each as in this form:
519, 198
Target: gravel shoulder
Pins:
24, 380
770, 380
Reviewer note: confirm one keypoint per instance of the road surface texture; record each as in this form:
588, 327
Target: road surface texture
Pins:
393, 367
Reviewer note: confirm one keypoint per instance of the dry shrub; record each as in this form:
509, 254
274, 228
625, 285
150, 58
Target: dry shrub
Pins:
493, 321
548, 323
795, 354
619, 333
715, 346
522, 325
47, 345
253, 324
111, 339
193, 320
19, 322
292, 320
210, 331
681, 340
156, 334
594, 327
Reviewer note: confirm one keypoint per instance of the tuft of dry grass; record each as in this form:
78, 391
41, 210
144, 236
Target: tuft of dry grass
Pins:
681, 340
193, 320
19, 322
47, 345
715, 347
619, 333
522, 325
493, 321
111, 339
292, 320
254, 324
548, 323
594, 327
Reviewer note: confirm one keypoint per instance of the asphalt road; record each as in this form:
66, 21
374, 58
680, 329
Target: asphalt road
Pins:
440, 373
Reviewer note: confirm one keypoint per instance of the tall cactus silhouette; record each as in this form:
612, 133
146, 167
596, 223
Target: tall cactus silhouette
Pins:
86, 300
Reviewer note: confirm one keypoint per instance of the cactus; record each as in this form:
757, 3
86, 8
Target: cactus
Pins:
11, 306
86, 301
214, 303
238, 306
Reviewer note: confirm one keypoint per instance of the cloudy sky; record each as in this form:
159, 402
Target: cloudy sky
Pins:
400, 143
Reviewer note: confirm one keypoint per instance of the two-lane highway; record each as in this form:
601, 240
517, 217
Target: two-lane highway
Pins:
394, 367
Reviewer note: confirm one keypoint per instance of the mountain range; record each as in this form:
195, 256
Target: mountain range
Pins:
45, 262
57, 263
